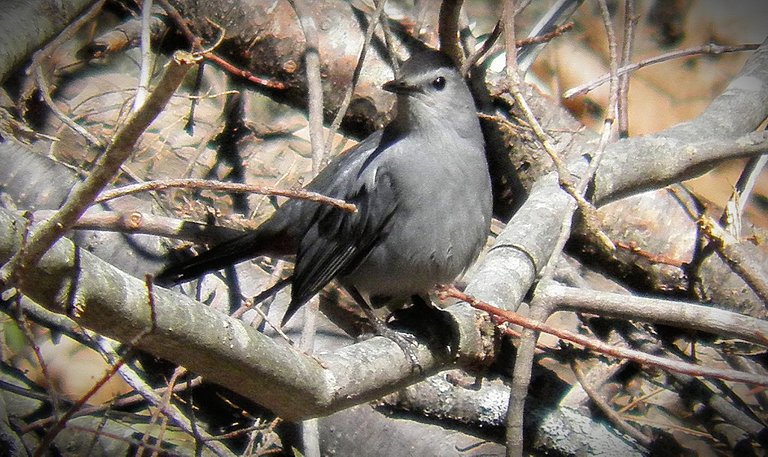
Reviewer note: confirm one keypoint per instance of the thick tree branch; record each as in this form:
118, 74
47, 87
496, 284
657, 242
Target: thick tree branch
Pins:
28, 25
526, 244
679, 314
691, 148
71, 281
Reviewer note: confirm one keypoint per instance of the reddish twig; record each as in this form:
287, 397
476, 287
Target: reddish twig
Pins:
655, 258
603, 348
559, 30
197, 45
62, 422
235, 70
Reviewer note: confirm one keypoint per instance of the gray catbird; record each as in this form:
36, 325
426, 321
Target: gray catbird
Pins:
423, 196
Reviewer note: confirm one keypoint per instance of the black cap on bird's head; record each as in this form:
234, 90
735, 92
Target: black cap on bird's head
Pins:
422, 62
431, 90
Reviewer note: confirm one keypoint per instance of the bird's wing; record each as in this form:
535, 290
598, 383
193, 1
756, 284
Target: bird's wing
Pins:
338, 241
280, 234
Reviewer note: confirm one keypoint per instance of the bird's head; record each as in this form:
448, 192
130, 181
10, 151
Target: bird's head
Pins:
431, 90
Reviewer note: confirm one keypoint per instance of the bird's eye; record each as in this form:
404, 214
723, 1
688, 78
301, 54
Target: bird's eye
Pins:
438, 83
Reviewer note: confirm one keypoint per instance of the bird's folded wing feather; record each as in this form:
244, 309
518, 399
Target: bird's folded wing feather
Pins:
337, 242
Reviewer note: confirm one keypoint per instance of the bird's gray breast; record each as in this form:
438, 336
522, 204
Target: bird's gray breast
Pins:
440, 219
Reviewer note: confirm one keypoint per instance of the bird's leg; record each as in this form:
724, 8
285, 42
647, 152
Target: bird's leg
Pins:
405, 341
271, 290
438, 323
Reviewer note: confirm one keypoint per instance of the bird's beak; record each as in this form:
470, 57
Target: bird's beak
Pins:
398, 86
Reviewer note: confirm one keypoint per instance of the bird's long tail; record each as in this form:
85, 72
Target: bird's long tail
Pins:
220, 256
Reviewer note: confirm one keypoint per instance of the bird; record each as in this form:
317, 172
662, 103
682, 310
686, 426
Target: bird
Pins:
422, 190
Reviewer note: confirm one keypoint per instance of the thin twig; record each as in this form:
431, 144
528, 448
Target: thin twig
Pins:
174, 414
145, 72
538, 39
576, 191
129, 400
196, 44
521, 374
314, 81
114, 367
734, 208
560, 11
61, 423
484, 49
630, 21
164, 451
245, 74
589, 213
42, 85
613, 59
606, 409
105, 170
26, 330
607, 349
198, 184
375, 18
655, 258
309, 428
165, 400
711, 49
490, 42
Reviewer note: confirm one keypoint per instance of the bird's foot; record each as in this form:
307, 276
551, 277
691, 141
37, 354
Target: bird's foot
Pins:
406, 341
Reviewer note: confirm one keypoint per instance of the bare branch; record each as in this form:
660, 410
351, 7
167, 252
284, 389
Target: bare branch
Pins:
684, 315
198, 184
150, 224
743, 259
603, 348
105, 170
375, 18
707, 49
314, 81
450, 12
659, 165
292, 384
